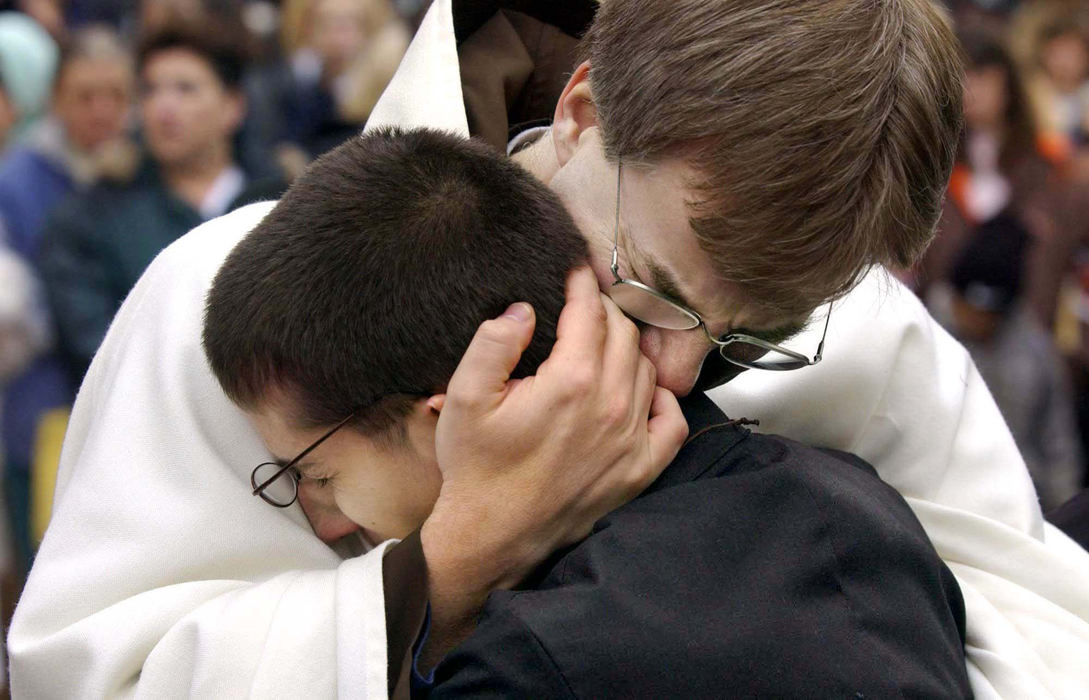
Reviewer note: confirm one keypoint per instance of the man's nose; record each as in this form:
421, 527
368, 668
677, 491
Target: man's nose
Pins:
676, 355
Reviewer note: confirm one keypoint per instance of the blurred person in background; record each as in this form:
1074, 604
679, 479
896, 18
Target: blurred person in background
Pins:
342, 54
28, 61
1002, 167
1016, 356
65, 151
9, 114
19, 338
49, 14
98, 243
1058, 88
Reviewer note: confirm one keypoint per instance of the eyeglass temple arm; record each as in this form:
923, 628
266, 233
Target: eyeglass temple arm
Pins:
302, 455
820, 346
616, 224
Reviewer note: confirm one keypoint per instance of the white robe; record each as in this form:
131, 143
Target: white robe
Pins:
161, 576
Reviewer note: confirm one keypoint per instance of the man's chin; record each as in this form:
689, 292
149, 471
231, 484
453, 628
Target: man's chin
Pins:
715, 372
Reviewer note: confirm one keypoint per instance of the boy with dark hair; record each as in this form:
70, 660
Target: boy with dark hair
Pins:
784, 571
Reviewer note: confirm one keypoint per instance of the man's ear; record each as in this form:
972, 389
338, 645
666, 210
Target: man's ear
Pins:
436, 402
575, 113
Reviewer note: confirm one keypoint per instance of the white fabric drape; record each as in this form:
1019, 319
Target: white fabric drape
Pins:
160, 576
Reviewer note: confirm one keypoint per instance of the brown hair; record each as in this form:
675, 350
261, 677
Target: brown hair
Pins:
223, 49
823, 132
983, 51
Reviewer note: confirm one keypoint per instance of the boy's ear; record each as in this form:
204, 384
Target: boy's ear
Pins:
436, 402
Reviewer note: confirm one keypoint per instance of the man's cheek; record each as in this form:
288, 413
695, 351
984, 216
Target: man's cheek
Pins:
329, 522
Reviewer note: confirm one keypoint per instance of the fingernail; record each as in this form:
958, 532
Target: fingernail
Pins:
520, 312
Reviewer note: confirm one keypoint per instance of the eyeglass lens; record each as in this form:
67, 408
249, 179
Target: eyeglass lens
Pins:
758, 357
281, 491
643, 305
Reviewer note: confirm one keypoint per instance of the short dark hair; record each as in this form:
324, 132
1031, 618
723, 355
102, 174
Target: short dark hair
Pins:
375, 270
223, 48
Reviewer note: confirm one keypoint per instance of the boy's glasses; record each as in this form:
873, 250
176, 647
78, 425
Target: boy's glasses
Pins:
278, 484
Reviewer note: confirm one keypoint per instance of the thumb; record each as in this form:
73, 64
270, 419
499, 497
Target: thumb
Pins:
493, 354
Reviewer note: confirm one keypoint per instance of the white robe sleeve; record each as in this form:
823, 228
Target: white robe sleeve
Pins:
901, 393
160, 575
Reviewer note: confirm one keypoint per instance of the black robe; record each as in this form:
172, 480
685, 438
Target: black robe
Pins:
754, 567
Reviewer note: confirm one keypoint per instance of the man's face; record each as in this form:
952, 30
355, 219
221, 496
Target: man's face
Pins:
659, 249
187, 111
387, 488
92, 100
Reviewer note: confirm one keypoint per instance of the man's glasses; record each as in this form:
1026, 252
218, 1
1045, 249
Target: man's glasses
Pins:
656, 309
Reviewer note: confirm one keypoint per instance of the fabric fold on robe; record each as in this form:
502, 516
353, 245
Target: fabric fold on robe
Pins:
160, 574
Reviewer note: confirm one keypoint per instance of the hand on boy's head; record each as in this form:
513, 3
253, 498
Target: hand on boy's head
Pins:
528, 467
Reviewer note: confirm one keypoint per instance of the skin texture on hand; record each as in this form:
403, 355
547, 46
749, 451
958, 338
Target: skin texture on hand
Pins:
529, 465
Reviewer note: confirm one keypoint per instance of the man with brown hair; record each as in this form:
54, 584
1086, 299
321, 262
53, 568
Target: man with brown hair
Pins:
784, 147
733, 165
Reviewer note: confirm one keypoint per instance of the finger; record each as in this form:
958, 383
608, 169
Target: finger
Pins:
580, 331
666, 430
646, 376
492, 355
621, 357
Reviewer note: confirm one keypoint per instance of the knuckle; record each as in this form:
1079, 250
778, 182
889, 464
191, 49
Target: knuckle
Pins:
596, 311
631, 331
649, 371
616, 411
493, 331
639, 477
579, 381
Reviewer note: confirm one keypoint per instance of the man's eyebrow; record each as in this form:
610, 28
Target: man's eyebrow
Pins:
663, 281
666, 283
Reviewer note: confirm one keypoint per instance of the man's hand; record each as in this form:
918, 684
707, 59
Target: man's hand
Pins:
528, 466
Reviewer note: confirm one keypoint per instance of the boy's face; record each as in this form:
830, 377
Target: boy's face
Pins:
385, 487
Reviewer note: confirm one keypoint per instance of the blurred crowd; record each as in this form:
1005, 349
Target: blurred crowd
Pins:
1008, 273
122, 126
125, 124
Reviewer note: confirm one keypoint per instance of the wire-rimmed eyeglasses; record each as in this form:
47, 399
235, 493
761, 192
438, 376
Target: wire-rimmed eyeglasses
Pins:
657, 309
278, 483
